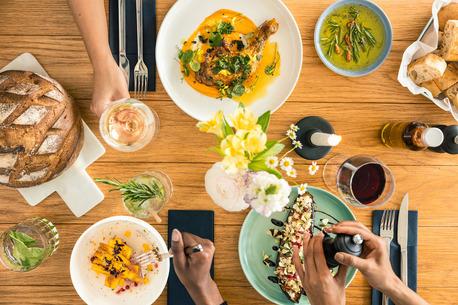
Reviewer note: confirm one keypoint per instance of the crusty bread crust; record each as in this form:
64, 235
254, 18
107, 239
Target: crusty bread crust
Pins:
449, 12
432, 87
450, 41
41, 131
452, 94
426, 68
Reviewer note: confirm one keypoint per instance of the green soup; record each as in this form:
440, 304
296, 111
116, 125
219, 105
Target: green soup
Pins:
366, 37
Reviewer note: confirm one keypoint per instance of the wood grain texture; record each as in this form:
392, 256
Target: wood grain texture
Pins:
356, 107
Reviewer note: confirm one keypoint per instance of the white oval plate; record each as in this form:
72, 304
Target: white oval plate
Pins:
182, 20
90, 286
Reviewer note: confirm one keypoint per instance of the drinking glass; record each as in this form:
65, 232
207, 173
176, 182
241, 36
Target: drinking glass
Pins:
153, 205
129, 125
362, 181
26, 245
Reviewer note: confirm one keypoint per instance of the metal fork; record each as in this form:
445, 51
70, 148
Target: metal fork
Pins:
387, 232
140, 70
150, 257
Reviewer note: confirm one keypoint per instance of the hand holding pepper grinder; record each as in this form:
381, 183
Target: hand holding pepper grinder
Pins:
351, 244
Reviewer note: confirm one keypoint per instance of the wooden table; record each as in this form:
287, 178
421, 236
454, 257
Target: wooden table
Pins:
356, 107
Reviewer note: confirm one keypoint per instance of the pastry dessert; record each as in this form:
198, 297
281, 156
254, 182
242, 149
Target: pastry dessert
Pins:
41, 131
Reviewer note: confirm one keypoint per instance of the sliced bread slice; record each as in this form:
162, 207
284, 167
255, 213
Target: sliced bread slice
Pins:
432, 87
452, 94
449, 78
450, 41
426, 68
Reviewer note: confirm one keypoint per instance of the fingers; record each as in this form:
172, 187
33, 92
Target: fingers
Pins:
351, 228
179, 257
351, 261
309, 262
298, 264
341, 276
190, 240
318, 253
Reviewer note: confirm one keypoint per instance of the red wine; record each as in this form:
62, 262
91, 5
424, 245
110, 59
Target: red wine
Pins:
368, 183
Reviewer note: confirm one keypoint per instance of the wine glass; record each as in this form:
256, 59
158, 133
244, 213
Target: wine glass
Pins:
129, 125
362, 181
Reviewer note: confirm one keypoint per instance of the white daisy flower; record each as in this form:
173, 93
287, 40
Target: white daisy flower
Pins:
313, 168
291, 172
294, 127
286, 163
297, 144
302, 188
291, 134
272, 162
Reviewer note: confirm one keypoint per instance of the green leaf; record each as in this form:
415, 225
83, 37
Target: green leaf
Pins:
37, 253
238, 90
26, 239
249, 35
225, 27
272, 148
227, 129
218, 150
264, 120
259, 166
186, 56
241, 105
215, 40
185, 70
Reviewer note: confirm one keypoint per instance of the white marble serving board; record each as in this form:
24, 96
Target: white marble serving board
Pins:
75, 186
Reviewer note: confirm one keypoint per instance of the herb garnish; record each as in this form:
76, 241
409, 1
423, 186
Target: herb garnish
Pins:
270, 69
358, 40
25, 254
133, 191
225, 27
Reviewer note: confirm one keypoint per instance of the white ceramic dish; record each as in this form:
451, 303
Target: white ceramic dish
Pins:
186, 15
90, 286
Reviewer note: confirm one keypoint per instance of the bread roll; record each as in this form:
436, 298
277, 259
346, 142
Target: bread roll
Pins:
432, 87
41, 131
450, 41
449, 12
426, 68
452, 94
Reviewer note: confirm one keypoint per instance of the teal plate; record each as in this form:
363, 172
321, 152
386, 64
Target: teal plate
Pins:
254, 239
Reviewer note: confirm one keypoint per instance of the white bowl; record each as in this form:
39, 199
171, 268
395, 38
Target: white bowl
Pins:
90, 286
182, 20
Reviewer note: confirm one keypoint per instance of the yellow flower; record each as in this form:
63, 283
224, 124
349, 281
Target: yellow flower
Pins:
214, 125
232, 145
255, 141
243, 119
233, 164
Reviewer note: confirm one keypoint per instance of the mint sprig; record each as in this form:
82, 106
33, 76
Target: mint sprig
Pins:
23, 252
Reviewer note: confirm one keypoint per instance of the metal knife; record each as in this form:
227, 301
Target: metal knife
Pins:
403, 224
123, 61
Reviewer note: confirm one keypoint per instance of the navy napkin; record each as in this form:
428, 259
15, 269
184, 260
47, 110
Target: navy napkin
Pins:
395, 255
149, 37
200, 223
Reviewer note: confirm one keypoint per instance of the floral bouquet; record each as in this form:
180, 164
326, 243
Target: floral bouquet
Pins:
248, 174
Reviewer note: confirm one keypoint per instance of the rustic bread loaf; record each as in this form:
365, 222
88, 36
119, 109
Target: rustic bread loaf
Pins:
449, 78
448, 12
450, 41
432, 87
41, 132
426, 68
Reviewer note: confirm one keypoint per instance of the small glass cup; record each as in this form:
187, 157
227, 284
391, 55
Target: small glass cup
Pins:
129, 125
26, 245
362, 181
153, 205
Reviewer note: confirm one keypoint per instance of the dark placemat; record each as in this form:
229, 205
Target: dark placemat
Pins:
200, 223
395, 251
149, 37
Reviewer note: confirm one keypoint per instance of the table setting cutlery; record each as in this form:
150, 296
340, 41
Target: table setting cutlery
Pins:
399, 228
123, 60
140, 70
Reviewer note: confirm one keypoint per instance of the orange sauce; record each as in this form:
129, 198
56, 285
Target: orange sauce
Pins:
242, 26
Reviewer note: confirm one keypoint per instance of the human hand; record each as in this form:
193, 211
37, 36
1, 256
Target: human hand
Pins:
374, 262
319, 284
109, 85
193, 270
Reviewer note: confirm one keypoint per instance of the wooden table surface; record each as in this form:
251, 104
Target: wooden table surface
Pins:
356, 107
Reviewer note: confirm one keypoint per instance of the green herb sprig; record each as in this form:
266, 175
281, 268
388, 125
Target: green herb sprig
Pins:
133, 191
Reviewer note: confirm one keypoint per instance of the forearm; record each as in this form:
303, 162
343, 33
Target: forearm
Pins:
92, 23
400, 294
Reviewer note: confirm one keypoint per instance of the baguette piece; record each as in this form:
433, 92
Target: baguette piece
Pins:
452, 94
449, 12
449, 78
432, 87
450, 41
440, 41
426, 68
